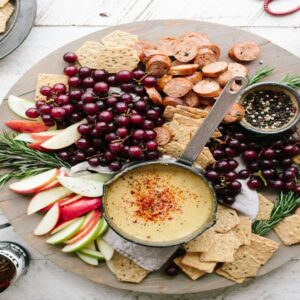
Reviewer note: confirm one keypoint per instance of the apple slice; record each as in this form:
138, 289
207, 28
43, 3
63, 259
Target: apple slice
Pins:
90, 236
65, 138
49, 221
32, 184
19, 106
67, 232
26, 126
45, 135
104, 228
43, 199
37, 146
49, 186
93, 253
97, 177
106, 250
25, 137
88, 259
70, 199
83, 187
62, 226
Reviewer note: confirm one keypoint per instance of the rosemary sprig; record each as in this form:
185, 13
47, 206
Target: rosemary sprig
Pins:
292, 81
21, 161
285, 206
260, 74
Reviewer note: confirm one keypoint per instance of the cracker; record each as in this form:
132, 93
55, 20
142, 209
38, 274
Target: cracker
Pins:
203, 242
193, 260
243, 230
3, 3
87, 54
288, 230
227, 276
115, 59
192, 113
227, 219
223, 249
119, 38
180, 134
265, 208
50, 80
5, 13
261, 248
125, 269
191, 272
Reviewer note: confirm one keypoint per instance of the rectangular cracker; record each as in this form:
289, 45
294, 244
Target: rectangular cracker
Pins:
223, 249
288, 230
50, 80
193, 259
87, 54
227, 276
3, 3
170, 111
243, 230
227, 219
5, 13
202, 243
191, 272
119, 38
265, 208
125, 269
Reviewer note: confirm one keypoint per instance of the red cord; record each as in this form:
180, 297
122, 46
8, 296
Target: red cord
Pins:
285, 13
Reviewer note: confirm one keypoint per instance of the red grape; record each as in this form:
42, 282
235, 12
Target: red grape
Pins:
101, 88
32, 112
124, 76
70, 57
70, 70
46, 91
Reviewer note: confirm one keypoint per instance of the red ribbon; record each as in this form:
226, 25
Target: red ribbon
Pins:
273, 13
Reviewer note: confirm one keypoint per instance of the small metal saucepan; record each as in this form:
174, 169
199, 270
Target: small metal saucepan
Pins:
185, 162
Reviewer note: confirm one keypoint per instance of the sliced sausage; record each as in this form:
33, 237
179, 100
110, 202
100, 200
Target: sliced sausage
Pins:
167, 45
206, 101
154, 95
235, 114
163, 135
199, 37
214, 48
162, 81
148, 53
171, 101
237, 69
141, 47
204, 57
186, 50
178, 87
158, 65
207, 88
214, 69
191, 99
194, 78
246, 51
180, 70
224, 78
176, 63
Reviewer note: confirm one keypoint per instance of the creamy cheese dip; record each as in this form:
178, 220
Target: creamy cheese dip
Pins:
158, 203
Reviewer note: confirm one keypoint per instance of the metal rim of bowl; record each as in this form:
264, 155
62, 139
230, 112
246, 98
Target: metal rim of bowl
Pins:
270, 84
197, 171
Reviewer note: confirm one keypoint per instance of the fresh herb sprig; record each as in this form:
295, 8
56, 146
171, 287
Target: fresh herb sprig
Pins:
292, 81
285, 206
19, 161
260, 74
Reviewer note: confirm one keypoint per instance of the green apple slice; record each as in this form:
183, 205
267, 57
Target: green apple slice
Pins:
62, 226
91, 246
106, 250
92, 253
66, 233
97, 177
85, 240
88, 259
19, 106
83, 187
104, 228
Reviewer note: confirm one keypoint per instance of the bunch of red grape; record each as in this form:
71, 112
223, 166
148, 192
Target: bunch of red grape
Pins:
120, 122
268, 162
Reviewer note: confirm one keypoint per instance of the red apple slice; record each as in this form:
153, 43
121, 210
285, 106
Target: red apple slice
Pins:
66, 199
69, 200
44, 135
37, 146
32, 184
26, 126
43, 199
49, 186
49, 221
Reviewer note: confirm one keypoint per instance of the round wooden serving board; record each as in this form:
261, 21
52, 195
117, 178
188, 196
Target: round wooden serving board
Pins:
14, 205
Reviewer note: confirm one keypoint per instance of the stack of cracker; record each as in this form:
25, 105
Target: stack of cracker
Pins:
228, 248
6, 10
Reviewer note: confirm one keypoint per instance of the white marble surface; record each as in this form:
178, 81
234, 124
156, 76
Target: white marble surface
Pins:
61, 21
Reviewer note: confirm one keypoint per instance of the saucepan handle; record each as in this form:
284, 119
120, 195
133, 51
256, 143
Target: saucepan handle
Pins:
212, 121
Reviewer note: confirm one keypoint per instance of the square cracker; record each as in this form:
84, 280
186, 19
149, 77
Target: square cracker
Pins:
261, 248
125, 269
170, 111
288, 230
50, 80
191, 272
223, 249
265, 208
243, 230
227, 219
87, 54
193, 259
227, 276
114, 59
3, 3
119, 38
5, 13
202, 243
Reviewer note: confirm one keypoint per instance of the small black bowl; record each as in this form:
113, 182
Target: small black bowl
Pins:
273, 86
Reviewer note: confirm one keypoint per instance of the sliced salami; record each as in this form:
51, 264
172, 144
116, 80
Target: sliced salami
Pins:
178, 87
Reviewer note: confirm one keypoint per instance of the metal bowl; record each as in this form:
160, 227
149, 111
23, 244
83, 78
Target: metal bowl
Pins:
273, 86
